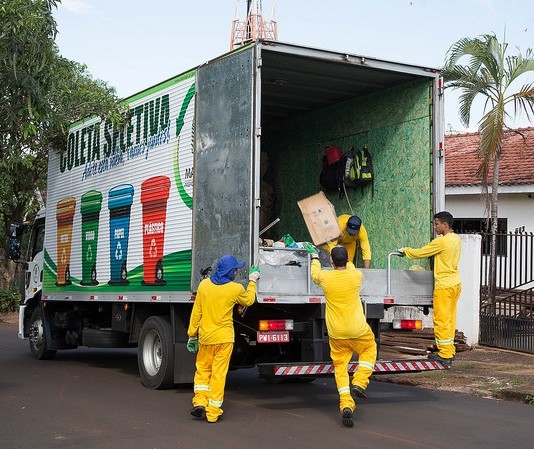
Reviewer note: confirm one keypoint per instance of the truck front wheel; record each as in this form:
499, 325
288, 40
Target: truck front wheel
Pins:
37, 337
155, 354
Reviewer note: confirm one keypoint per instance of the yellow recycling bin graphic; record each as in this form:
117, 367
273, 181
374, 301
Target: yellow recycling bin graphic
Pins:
64, 216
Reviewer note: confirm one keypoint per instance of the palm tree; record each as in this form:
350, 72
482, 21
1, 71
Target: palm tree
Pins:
489, 74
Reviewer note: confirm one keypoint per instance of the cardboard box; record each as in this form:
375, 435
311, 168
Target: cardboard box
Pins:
320, 217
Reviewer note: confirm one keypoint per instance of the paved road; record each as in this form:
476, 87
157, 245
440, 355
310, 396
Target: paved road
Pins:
94, 399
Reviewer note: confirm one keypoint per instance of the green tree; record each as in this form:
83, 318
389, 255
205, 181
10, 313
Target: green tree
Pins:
492, 74
41, 93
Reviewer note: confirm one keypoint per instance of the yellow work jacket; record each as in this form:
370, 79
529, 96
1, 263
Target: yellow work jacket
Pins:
350, 242
344, 312
446, 250
212, 315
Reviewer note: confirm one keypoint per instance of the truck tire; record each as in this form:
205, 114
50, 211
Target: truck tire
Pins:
37, 337
155, 354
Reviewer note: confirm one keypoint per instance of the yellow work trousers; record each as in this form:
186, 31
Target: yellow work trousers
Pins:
210, 378
445, 301
341, 352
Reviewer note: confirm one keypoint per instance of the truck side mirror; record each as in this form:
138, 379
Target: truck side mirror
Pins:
15, 235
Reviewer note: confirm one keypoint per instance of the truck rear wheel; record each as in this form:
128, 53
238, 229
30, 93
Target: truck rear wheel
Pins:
155, 354
38, 337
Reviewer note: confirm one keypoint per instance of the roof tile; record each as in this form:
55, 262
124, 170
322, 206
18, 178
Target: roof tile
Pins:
516, 164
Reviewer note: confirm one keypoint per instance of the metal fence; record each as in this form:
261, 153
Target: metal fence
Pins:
507, 307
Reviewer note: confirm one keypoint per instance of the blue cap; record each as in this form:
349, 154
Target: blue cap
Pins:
227, 264
225, 269
353, 225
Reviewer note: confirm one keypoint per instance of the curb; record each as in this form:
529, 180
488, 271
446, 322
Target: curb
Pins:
513, 395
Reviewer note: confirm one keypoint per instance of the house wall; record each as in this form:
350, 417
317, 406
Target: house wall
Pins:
518, 208
467, 312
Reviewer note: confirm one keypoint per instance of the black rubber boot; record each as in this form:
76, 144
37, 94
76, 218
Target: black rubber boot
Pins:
347, 417
359, 392
197, 412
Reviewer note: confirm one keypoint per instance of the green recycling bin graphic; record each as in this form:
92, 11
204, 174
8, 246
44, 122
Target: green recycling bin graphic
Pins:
64, 216
91, 203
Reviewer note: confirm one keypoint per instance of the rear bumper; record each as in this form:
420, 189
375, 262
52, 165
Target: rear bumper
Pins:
326, 368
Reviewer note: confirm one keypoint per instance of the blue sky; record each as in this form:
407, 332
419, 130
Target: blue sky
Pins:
134, 44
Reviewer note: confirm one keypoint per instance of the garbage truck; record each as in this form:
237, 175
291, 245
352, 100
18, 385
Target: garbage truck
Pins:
137, 215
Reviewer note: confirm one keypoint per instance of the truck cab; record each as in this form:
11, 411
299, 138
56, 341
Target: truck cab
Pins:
33, 266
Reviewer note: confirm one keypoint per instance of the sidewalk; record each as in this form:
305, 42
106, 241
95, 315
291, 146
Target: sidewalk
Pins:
482, 371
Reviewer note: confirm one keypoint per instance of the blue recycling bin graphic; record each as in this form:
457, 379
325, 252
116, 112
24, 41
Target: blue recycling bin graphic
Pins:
120, 199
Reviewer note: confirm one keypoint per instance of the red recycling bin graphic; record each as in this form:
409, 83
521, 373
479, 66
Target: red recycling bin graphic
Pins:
154, 195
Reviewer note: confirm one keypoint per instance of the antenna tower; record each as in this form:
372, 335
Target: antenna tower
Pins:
253, 27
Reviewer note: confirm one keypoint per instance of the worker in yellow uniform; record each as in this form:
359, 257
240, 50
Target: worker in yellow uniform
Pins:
348, 331
353, 232
211, 333
446, 249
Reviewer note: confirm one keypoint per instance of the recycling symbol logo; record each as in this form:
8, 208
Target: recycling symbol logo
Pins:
64, 256
89, 254
118, 251
153, 251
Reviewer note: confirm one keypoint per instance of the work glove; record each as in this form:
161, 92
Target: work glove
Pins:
192, 345
254, 273
311, 250
400, 252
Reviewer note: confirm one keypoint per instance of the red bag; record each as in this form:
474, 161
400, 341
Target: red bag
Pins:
333, 154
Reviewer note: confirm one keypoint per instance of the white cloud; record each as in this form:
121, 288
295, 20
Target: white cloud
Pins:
75, 6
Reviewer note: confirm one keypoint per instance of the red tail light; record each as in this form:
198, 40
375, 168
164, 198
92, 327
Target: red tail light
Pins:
408, 324
276, 325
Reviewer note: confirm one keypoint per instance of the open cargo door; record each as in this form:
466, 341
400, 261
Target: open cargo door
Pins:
223, 206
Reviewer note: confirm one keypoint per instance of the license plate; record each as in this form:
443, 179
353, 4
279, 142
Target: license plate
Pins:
273, 337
